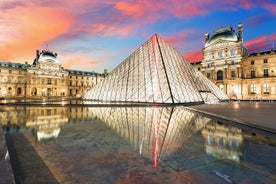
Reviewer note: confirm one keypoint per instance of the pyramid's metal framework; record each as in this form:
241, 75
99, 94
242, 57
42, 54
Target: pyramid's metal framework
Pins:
156, 73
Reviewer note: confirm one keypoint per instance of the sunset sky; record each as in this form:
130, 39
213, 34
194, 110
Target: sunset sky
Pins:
94, 35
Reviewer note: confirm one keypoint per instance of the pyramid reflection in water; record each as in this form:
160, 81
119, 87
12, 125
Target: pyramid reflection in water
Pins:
157, 132
156, 73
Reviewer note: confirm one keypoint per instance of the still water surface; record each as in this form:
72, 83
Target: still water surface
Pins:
135, 145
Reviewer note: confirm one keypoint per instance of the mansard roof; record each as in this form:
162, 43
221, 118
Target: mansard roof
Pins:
8, 64
227, 34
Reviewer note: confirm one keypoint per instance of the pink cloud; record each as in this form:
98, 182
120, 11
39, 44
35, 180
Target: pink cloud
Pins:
74, 61
24, 31
193, 56
261, 43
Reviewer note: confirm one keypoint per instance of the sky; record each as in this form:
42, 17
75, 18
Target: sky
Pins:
93, 35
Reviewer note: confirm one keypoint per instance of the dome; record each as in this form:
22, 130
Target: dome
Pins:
226, 34
48, 56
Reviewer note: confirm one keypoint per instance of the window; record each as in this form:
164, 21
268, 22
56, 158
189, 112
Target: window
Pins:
265, 72
253, 89
265, 60
42, 81
208, 75
208, 56
233, 74
232, 52
252, 62
252, 74
9, 90
10, 71
220, 54
49, 81
266, 88
219, 75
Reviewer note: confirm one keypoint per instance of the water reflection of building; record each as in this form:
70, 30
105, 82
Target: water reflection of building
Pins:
46, 122
223, 141
45, 77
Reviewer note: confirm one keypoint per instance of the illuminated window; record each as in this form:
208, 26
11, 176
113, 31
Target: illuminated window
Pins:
266, 88
253, 89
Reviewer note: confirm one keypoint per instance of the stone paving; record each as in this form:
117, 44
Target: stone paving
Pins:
261, 115
27, 165
6, 174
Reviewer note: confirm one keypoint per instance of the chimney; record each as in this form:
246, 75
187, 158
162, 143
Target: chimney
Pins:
37, 55
240, 32
206, 37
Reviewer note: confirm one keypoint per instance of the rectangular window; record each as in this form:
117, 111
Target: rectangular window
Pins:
265, 60
252, 62
10, 71
252, 74
233, 74
253, 89
266, 88
208, 75
265, 72
49, 81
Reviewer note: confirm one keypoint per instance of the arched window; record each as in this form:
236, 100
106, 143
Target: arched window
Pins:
19, 91
219, 75
9, 90
34, 92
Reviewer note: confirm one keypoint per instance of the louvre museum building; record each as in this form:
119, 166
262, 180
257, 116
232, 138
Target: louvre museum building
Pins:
241, 74
45, 77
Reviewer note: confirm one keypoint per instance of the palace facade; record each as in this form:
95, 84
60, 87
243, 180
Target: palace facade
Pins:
240, 75
45, 77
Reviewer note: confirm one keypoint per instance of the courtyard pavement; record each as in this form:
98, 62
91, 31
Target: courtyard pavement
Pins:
260, 115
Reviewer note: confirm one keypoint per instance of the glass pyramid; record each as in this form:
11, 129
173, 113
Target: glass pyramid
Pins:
155, 73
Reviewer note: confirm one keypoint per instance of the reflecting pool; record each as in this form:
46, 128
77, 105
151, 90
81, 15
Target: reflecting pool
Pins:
132, 145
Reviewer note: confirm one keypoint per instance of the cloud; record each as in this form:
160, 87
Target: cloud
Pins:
261, 43
77, 61
183, 39
25, 30
193, 56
